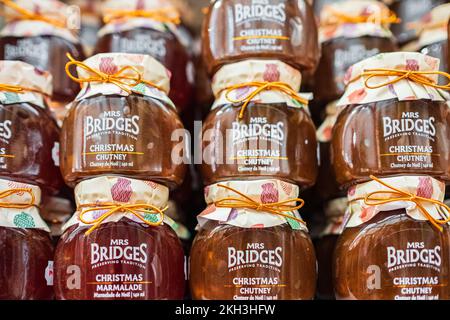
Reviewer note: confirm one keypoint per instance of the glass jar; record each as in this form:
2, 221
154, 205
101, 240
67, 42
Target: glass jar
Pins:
133, 254
125, 133
43, 42
29, 137
243, 254
391, 130
156, 35
270, 134
405, 256
26, 266
284, 30
345, 43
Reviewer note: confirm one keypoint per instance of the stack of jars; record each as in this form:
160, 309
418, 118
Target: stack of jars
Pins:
118, 153
259, 151
29, 147
391, 151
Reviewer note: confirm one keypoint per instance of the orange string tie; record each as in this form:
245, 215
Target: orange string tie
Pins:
260, 87
137, 210
29, 15
120, 79
377, 18
18, 89
419, 77
394, 194
164, 15
277, 208
18, 205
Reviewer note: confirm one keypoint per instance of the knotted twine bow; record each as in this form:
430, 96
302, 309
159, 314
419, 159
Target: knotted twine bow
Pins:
138, 210
377, 198
399, 74
120, 78
377, 18
17, 205
29, 15
164, 15
260, 87
276, 208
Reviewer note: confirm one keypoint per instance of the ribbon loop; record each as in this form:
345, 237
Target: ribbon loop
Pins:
17, 205
376, 17
138, 210
276, 208
126, 78
419, 77
29, 15
394, 194
260, 87
164, 15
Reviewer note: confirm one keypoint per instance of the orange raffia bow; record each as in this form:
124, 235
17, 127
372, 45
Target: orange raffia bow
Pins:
379, 198
415, 76
342, 18
164, 15
260, 87
120, 79
111, 208
277, 208
24, 205
29, 15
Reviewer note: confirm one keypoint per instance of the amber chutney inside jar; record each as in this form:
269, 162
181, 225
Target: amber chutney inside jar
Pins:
289, 272
392, 137
30, 145
392, 243
117, 135
235, 30
271, 140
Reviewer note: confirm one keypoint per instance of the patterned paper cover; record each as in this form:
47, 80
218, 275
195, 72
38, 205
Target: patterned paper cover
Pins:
423, 186
405, 89
261, 191
119, 190
28, 218
331, 27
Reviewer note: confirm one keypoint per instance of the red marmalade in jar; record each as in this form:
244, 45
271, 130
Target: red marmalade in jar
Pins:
399, 226
119, 245
252, 244
433, 40
29, 137
273, 29
125, 123
259, 126
350, 31
391, 124
38, 32
150, 27
26, 250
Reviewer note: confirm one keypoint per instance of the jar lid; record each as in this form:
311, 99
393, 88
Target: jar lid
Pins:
51, 9
235, 203
433, 26
355, 18
122, 65
255, 71
27, 198
21, 74
397, 190
366, 83
108, 189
